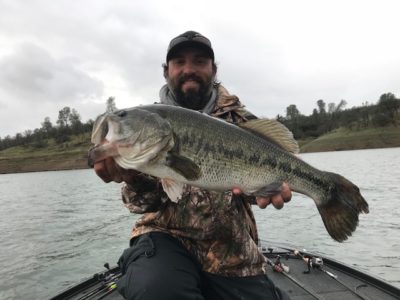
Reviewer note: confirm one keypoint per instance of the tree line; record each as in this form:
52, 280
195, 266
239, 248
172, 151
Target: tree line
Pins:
68, 124
325, 118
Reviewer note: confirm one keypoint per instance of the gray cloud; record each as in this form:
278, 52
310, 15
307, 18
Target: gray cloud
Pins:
32, 74
62, 53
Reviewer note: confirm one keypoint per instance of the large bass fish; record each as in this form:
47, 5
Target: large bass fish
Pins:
182, 146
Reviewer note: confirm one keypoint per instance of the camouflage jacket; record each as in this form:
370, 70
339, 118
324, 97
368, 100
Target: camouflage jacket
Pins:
218, 228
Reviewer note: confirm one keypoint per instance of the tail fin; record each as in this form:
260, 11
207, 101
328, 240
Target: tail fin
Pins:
340, 212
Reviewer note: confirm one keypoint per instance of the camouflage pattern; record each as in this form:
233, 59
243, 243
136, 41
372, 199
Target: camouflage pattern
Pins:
218, 228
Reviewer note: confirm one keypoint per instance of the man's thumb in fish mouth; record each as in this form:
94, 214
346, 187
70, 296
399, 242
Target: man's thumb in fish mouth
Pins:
236, 191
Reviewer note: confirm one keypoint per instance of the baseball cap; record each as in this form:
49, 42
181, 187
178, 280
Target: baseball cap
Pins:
189, 39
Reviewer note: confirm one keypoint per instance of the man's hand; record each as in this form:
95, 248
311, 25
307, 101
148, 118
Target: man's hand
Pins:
277, 200
108, 170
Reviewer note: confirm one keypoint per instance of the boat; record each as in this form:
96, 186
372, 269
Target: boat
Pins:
302, 275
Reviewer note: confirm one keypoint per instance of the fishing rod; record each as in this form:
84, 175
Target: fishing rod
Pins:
100, 292
284, 270
108, 284
317, 263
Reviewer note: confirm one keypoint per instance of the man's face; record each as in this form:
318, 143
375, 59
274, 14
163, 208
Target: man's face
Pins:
190, 74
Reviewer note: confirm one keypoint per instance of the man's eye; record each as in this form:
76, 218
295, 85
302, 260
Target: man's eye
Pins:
201, 61
179, 62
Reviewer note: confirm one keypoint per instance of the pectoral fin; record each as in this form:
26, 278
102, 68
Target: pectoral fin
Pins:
183, 166
173, 189
269, 190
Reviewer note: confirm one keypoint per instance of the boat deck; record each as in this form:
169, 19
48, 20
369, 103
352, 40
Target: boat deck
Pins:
330, 281
349, 283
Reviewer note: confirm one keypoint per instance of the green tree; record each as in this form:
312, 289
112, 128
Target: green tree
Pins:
111, 107
342, 104
365, 115
292, 120
388, 107
292, 112
333, 108
63, 117
28, 136
19, 138
6, 142
47, 126
75, 120
321, 106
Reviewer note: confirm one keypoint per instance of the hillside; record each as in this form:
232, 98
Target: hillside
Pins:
65, 156
73, 154
344, 139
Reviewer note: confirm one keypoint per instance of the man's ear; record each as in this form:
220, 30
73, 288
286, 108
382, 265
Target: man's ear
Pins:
165, 70
214, 68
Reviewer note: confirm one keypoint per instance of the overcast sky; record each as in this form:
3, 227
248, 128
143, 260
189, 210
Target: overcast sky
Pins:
270, 53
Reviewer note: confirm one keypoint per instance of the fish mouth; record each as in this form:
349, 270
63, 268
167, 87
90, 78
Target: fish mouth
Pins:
91, 157
100, 152
100, 129
107, 139
105, 129
103, 148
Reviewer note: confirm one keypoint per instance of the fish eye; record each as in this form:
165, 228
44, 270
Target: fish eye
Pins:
121, 113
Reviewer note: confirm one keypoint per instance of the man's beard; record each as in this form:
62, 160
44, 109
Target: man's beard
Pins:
192, 99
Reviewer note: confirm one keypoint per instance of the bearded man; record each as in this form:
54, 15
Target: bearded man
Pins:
206, 245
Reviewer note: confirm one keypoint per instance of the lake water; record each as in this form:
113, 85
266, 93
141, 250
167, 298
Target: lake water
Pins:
57, 228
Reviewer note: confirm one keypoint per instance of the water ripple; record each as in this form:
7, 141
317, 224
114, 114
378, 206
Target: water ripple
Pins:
59, 227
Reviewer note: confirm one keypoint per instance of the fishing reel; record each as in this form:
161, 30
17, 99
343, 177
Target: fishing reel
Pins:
317, 262
279, 267
313, 262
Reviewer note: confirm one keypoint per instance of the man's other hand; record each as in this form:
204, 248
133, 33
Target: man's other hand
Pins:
277, 200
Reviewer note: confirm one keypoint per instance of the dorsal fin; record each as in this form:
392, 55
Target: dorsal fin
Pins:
273, 131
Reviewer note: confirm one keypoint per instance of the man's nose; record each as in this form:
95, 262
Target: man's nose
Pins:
189, 68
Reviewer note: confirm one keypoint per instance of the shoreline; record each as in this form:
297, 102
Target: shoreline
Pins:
73, 154
29, 165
